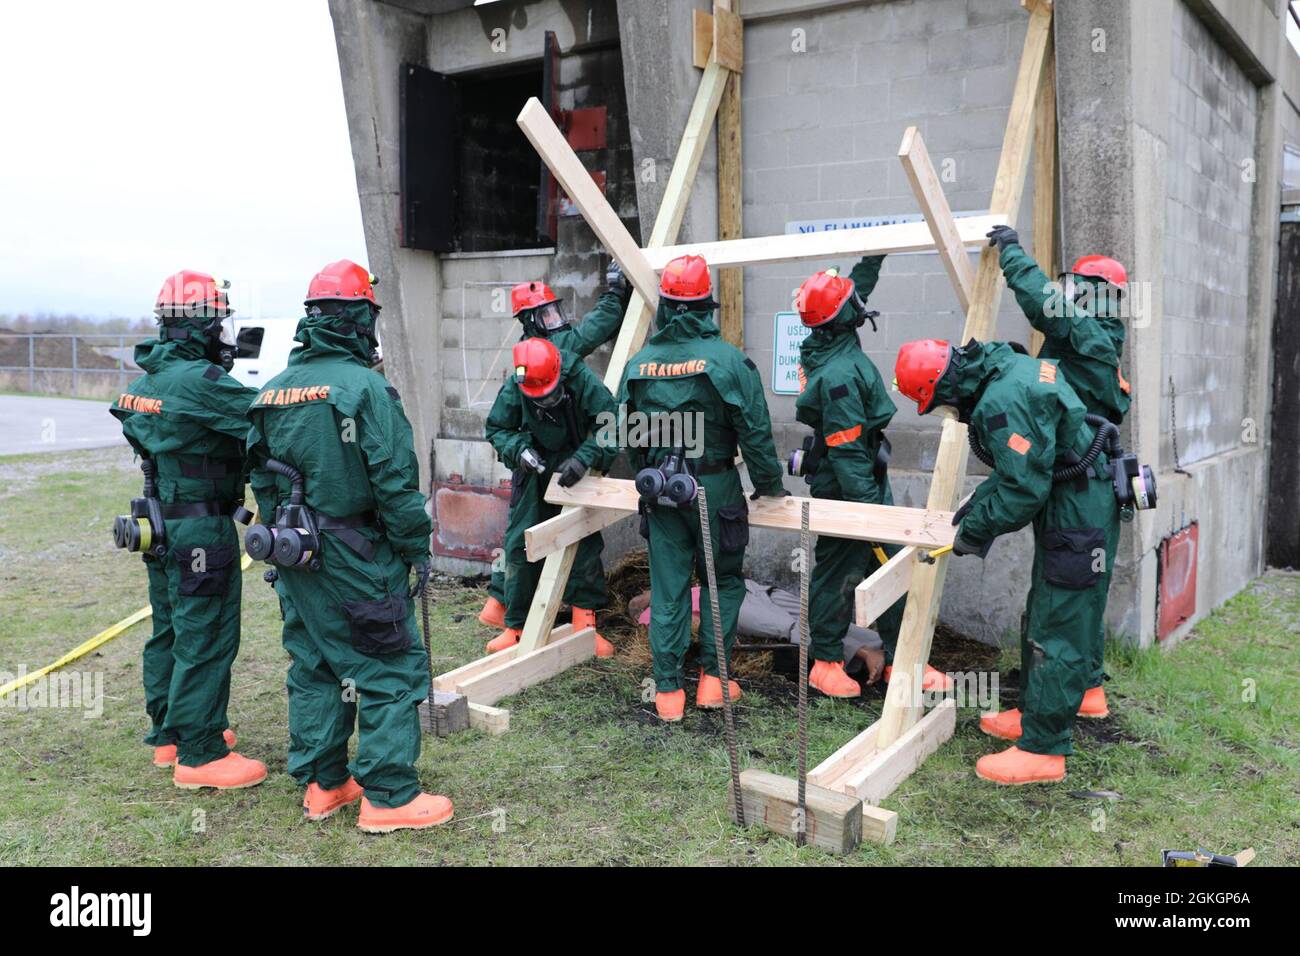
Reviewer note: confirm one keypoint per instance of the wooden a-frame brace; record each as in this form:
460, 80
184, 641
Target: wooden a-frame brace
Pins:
871, 765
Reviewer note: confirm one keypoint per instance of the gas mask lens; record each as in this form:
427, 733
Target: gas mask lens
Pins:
227, 331
551, 316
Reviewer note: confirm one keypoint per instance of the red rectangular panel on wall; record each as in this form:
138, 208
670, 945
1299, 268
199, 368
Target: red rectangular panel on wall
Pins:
1177, 598
469, 521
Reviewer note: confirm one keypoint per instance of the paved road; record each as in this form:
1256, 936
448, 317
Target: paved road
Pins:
34, 423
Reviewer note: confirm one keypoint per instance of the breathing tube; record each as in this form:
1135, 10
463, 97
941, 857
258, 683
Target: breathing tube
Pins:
1107, 437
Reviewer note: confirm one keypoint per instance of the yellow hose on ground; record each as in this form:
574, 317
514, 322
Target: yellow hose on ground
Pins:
100, 639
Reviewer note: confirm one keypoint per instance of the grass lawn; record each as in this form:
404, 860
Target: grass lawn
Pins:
1202, 745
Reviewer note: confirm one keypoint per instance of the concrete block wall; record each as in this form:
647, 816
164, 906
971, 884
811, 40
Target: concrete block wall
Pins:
1206, 333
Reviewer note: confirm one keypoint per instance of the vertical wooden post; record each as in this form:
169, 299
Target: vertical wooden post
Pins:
731, 281
1047, 230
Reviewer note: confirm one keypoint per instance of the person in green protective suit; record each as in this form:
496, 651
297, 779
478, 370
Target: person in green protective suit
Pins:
1029, 425
687, 374
185, 417
844, 401
1083, 331
543, 316
548, 420
331, 432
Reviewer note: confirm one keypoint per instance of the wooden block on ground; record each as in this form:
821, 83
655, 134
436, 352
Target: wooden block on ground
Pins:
530, 668
450, 714
879, 825
490, 720
883, 772
833, 822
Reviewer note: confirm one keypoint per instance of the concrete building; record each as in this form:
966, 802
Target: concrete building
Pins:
1174, 117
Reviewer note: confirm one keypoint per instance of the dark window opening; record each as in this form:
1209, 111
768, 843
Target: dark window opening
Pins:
469, 176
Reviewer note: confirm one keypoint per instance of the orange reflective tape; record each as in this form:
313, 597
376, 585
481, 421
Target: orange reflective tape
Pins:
845, 436
1046, 372
1019, 443
1123, 383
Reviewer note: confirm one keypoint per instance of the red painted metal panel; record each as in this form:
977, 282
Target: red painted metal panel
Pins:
469, 521
585, 128
1177, 599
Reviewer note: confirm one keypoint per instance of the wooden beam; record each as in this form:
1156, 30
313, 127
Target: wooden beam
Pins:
878, 825
1047, 245
889, 582
525, 670
454, 678
636, 321
832, 821
885, 524
832, 771
938, 215
569, 172
490, 720
449, 715
701, 38
731, 281
728, 38
833, 244
568, 527
902, 700
879, 776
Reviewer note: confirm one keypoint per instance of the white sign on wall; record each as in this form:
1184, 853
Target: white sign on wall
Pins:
800, 226
788, 334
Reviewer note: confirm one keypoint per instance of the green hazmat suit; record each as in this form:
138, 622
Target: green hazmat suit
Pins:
1031, 421
1084, 337
188, 416
598, 326
844, 401
349, 627
571, 429
687, 368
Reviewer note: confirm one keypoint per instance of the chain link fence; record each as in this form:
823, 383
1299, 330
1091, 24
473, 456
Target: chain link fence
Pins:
90, 365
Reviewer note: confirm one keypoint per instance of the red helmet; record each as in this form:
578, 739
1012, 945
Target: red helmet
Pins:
1102, 267
193, 293
343, 281
537, 367
918, 369
821, 297
529, 295
686, 278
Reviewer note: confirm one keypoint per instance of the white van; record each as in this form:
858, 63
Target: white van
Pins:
263, 349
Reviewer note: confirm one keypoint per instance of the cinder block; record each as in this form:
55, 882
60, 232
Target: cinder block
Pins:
884, 61
450, 714
915, 96
848, 181
968, 49
794, 184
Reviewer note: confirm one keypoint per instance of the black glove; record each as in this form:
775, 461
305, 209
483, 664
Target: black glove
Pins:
779, 493
529, 458
960, 513
422, 574
1003, 236
961, 546
571, 472
615, 281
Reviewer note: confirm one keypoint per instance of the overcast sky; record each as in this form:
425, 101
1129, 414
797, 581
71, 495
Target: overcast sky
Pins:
146, 137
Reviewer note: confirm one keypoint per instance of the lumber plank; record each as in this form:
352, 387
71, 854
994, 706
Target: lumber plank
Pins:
887, 584
938, 215
833, 244
879, 825
886, 524
525, 670
701, 38
833, 821
453, 678
728, 38
568, 527
902, 702
490, 720
636, 322
1047, 244
831, 772
569, 172
880, 775
731, 281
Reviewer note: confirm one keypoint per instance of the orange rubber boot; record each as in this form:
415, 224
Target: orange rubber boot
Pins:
1094, 704
829, 678
934, 680
1004, 724
493, 613
582, 619
1014, 767
165, 756
507, 638
318, 803
426, 810
709, 694
231, 772
670, 705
